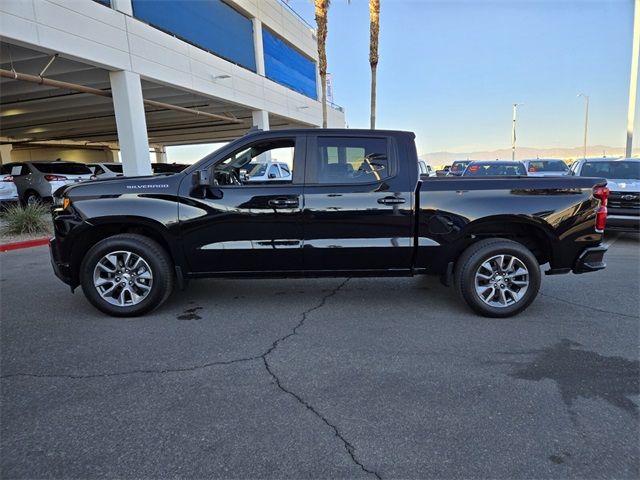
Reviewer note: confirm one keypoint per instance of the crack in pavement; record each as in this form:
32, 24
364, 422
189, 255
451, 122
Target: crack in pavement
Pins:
347, 445
635, 317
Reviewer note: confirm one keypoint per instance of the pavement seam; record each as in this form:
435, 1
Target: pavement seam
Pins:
635, 317
133, 372
347, 445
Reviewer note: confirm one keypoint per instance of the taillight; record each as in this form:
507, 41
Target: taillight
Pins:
602, 194
8, 178
54, 178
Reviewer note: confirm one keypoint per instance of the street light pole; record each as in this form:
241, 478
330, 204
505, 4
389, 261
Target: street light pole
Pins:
633, 82
513, 130
586, 123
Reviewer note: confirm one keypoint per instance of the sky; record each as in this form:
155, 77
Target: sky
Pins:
450, 70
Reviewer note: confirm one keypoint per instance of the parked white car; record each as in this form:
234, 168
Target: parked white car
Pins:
425, 169
106, 170
36, 181
8, 190
269, 172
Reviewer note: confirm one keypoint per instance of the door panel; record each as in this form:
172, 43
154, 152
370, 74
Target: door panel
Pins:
255, 227
251, 228
358, 226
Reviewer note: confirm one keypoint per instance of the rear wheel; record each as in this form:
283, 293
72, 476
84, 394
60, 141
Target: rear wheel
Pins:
126, 275
32, 198
497, 277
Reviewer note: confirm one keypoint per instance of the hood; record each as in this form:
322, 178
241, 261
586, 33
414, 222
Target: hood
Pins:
122, 185
623, 185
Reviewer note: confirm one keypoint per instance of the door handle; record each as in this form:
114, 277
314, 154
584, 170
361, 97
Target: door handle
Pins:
283, 202
391, 200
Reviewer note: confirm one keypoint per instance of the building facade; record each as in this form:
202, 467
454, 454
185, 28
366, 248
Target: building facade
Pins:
172, 72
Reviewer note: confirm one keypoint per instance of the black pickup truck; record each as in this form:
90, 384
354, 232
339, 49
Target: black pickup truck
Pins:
353, 205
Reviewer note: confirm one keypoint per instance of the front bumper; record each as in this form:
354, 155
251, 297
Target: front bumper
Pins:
591, 260
61, 269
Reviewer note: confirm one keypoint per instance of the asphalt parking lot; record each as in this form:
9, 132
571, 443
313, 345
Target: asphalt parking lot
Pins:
329, 378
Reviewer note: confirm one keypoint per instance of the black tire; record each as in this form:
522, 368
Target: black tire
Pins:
477, 254
31, 196
151, 252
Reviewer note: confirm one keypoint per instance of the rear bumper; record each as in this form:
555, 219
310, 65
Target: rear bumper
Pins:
591, 260
62, 270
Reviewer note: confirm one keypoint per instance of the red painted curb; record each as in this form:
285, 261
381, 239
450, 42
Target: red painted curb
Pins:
38, 242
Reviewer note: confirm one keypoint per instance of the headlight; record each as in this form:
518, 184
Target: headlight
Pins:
61, 202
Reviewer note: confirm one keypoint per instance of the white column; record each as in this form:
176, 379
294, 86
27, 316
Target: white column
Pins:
115, 158
260, 119
5, 153
161, 154
123, 6
258, 47
130, 120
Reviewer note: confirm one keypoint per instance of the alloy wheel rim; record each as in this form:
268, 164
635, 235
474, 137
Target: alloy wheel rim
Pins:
501, 281
122, 278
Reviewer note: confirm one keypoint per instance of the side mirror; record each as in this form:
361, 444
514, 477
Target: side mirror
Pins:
272, 175
201, 178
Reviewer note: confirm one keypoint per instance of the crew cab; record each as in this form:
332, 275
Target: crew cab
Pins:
355, 205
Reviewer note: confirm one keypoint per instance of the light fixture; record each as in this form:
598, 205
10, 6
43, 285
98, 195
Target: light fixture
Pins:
302, 107
12, 111
220, 77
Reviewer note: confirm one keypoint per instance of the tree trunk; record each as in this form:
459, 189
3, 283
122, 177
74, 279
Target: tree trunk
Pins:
374, 33
374, 71
322, 8
323, 79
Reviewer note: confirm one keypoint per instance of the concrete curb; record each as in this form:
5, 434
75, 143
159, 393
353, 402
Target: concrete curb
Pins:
38, 242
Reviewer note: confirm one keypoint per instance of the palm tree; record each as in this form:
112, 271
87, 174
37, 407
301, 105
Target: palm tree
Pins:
374, 31
322, 8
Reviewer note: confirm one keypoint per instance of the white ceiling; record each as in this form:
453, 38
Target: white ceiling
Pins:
33, 113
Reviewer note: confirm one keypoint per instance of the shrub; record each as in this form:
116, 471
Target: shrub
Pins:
29, 219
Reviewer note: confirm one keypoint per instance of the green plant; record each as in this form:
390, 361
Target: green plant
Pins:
29, 219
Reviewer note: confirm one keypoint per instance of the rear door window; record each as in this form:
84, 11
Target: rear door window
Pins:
344, 160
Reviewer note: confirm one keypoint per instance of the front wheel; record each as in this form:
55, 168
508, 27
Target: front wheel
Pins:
497, 277
126, 275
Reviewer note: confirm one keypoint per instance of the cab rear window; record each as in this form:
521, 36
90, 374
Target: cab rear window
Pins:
548, 166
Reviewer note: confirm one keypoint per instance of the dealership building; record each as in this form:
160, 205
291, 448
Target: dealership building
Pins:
87, 79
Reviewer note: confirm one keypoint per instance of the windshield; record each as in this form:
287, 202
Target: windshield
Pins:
548, 166
258, 170
617, 170
459, 166
492, 169
63, 168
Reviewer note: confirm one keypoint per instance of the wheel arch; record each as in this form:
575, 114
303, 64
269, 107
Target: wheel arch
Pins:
104, 227
534, 234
